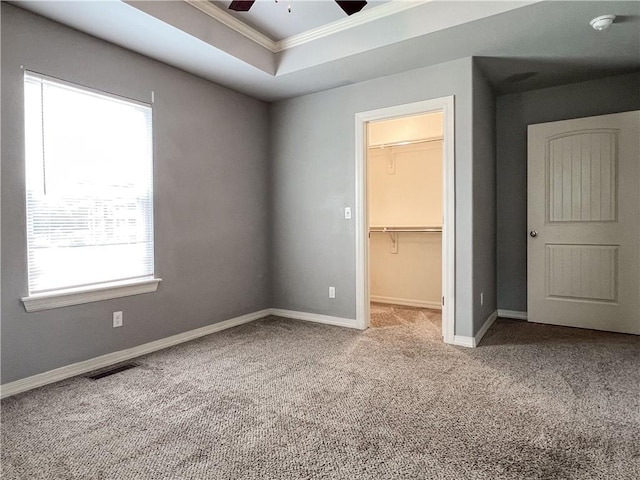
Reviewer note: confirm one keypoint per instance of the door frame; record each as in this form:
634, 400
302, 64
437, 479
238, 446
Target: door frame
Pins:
446, 106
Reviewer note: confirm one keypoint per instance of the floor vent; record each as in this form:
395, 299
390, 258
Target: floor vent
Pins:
98, 374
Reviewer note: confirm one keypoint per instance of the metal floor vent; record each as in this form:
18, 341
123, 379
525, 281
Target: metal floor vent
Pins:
98, 374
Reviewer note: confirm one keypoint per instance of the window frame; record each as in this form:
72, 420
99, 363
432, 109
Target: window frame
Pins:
63, 297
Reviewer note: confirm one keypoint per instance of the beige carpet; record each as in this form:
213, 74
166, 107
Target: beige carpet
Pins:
385, 315
285, 399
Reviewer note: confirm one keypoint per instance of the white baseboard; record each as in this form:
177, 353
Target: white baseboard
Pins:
485, 327
462, 341
29, 383
514, 314
473, 342
406, 302
317, 318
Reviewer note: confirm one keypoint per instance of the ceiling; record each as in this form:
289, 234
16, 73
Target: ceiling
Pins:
521, 45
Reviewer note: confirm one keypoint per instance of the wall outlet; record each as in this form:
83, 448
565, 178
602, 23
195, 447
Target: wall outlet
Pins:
481, 298
332, 292
117, 319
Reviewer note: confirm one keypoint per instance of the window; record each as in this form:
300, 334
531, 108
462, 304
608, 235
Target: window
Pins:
89, 186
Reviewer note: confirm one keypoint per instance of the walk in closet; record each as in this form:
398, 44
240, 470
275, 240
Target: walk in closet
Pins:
404, 204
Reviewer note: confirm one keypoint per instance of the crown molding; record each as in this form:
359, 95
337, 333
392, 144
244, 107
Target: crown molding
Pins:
361, 18
234, 24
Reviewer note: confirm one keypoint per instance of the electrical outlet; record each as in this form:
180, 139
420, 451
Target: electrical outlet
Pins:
117, 319
332, 292
481, 298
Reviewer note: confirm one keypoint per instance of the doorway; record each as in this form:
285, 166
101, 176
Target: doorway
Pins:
445, 108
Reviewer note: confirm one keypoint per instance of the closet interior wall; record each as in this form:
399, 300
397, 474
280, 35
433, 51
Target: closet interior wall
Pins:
404, 170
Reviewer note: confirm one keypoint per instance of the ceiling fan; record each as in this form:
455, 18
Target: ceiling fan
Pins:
349, 7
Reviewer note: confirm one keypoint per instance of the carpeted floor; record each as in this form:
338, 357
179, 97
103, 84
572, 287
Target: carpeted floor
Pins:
286, 399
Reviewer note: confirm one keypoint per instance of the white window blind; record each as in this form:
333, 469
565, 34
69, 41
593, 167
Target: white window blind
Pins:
89, 185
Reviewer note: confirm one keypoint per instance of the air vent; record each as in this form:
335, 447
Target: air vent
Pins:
105, 372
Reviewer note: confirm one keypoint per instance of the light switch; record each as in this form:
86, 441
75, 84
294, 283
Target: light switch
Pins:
347, 213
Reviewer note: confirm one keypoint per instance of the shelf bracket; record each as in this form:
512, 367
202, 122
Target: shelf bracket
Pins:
394, 242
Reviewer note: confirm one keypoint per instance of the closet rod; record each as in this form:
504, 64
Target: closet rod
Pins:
406, 229
410, 142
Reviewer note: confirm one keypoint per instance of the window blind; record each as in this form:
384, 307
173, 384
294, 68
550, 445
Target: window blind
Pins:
89, 186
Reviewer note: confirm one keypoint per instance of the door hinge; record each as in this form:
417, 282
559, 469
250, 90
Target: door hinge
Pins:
443, 301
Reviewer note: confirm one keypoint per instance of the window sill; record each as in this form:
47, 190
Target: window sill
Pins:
77, 296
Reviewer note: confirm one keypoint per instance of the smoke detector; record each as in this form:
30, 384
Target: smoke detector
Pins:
602, 22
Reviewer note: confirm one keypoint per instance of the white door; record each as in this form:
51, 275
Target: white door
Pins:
584, 223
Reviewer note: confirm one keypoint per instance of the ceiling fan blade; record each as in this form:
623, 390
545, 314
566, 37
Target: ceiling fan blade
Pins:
243, 6
349, 7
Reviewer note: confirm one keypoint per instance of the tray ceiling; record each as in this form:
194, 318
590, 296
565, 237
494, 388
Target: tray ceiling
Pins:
522, 44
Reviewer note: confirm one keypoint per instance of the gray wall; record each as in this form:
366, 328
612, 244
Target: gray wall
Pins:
313, 178
484, 199
211, 201
514, 113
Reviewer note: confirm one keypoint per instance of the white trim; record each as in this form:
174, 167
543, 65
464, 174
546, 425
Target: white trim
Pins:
363, 316
77, 296
463, 341
234, 24
315, 317
485, 327
366, 16
445, 105
448, 219
79, 368
514, 314
406, 302
473, 342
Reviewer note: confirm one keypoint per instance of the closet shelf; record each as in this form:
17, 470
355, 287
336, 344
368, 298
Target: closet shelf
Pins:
404, 143
405, 229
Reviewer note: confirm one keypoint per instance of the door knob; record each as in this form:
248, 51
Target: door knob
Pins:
533, 233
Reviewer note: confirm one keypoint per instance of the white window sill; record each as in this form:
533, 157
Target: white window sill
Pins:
77, 296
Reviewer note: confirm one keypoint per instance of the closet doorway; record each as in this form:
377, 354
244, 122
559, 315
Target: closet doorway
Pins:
404, 211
